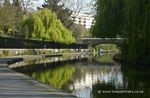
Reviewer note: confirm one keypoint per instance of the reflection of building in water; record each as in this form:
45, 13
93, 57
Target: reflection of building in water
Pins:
100, 74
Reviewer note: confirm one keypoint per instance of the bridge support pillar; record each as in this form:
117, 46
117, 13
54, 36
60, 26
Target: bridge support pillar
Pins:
90, 57
90, 47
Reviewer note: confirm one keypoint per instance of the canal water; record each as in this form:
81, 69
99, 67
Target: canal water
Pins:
93, 77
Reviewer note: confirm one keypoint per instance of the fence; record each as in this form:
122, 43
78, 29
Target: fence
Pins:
31, 44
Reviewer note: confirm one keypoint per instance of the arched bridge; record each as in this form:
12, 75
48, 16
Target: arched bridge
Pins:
96, 41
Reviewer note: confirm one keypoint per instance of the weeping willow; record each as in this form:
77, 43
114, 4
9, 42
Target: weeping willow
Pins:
109, 20
137, 30
44, 25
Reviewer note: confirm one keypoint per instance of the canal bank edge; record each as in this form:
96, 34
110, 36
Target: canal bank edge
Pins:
119, 58
47, 91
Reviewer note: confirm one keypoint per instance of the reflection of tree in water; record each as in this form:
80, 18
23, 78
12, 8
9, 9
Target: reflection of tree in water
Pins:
96, 88
101, 74
56, 77
104, 58
135, 79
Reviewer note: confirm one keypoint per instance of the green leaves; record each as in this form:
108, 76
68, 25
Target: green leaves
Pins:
108, 19
56, 77
129, 19
137, 24
10, 16
44, 25
59, 8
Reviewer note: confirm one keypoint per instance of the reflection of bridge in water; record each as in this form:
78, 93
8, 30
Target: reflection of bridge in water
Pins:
86, 74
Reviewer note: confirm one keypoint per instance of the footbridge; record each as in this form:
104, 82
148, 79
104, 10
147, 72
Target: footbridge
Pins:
96, 41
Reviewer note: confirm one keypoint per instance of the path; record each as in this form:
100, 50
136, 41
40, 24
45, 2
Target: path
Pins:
17, 85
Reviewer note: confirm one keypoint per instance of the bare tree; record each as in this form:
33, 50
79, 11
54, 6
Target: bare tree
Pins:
26, 5
78, 6
1, 3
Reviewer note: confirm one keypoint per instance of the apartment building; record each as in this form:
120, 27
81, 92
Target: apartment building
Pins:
84, 19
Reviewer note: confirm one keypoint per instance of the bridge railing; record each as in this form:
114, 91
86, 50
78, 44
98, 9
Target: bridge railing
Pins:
96, 41
100, 38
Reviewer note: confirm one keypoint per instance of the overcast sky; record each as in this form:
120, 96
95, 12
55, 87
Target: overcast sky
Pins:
85, 3
86, 9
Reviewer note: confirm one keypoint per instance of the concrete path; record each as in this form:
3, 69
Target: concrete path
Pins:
14, 59
17, 85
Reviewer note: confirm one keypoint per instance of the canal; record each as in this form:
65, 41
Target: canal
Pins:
100, 77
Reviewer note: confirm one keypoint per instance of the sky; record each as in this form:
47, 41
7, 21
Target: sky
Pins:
84, 3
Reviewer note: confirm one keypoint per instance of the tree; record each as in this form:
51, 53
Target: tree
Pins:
59, 8
18, 15
67, 10
27, 5
77, 6
137, 30
44, 25
10, 15
79, 31
1, 3
131, 20
109, 18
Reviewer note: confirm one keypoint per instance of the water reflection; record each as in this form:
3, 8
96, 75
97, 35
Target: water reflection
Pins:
104, 57
136, 84
56, 77
91, 75
86, 79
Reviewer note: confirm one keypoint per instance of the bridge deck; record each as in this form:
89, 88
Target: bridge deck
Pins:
96, 41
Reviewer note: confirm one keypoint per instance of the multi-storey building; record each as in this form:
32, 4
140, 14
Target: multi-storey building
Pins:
84, 19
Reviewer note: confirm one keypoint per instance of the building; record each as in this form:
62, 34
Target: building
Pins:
84, 19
